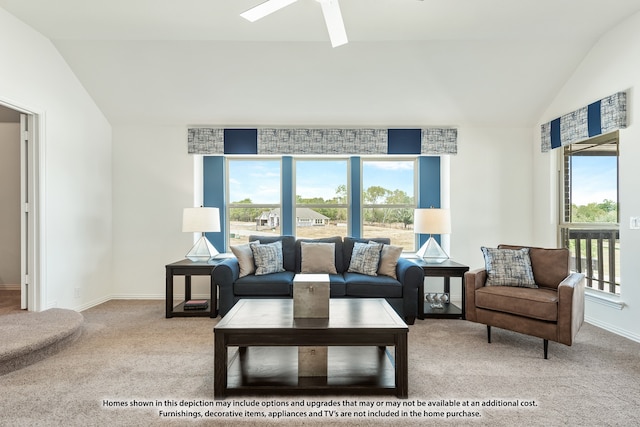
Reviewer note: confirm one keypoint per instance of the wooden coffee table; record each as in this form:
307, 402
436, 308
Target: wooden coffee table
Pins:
266, 335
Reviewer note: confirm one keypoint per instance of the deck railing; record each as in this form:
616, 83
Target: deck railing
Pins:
596, 253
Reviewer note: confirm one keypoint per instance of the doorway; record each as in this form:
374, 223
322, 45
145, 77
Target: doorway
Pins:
19, 212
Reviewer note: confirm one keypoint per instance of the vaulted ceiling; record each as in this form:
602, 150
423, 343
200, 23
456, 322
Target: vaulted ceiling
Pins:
407, 63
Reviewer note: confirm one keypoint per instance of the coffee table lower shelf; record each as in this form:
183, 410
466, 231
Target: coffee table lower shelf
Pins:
351, 370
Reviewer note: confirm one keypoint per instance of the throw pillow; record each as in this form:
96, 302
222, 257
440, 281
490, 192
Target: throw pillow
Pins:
365, 258
508, 267
318, 258
389, 260
245, 258
268, 257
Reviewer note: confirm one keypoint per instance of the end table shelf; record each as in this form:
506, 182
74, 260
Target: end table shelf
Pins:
446, 270
188, 268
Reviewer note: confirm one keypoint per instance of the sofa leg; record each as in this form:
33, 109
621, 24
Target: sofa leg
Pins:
489, 334
410, 320
546, 348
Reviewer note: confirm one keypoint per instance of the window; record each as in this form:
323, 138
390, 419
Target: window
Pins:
388, 200
589, 217
321, 198
253, 198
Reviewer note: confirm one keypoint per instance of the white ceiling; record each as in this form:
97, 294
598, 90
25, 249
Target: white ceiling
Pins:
408, 62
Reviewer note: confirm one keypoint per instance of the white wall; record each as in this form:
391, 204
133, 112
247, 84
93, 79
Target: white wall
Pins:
153, 181
612, 65
491, 191
9, 204
75, 141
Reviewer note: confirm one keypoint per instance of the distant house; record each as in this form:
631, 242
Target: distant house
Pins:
305, 217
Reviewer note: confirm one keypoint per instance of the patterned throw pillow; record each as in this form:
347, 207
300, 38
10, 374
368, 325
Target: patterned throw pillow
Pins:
508, 267
365, 258
267, 257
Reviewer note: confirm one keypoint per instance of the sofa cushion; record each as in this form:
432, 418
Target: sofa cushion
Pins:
538, 303
336, 240
389, 260
244, 254
360, 285
267, 257
276, 284
288, 248
337, 286
550, 266
508, 267
365, 258
318, 258
349, 242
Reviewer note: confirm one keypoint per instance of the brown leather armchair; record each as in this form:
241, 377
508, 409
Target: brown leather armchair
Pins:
552, 311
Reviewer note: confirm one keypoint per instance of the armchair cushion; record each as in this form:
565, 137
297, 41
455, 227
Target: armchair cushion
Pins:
538, 303
508, 267
550, 266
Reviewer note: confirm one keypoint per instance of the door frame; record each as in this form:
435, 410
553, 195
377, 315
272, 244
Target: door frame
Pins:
31, 188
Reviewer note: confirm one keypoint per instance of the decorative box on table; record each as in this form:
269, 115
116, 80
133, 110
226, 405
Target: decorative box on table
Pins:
311, 296
311, 301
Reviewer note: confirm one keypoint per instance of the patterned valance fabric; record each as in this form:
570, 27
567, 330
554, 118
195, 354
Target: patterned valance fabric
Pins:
322, 141
600, 117
205, 141
439, 141
265, 141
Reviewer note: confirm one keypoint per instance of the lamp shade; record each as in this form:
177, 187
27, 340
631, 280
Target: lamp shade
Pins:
200, 220
432, 221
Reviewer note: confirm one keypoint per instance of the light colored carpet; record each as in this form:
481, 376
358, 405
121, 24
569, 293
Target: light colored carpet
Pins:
27, 337
128, 351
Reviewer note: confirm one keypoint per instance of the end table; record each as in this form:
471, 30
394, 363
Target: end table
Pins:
447, 270
188, 268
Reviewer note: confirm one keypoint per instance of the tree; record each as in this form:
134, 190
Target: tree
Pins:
606, 212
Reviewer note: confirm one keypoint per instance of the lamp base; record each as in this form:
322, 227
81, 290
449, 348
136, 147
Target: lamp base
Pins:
203, 250
432, 253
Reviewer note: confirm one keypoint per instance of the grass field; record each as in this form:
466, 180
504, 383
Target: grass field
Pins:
399, 235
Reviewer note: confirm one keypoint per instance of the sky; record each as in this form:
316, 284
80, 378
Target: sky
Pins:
594, 179
260, 180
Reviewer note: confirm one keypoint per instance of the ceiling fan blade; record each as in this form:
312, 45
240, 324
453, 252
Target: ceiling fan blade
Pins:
335, 24
264, 9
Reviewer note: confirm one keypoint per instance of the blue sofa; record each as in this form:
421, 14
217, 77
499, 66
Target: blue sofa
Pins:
401, 293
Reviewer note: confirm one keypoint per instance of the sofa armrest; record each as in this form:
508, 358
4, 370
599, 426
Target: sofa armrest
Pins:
224, 275
570, 307
411, 276
473, 280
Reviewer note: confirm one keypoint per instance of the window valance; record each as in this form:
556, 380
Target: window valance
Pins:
264, 141
600, 117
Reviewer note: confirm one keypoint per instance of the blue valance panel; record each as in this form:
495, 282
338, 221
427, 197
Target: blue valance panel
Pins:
296, 141
603, 116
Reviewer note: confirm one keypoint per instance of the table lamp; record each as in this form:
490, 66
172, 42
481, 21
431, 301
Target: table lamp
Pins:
201, 220
432, 221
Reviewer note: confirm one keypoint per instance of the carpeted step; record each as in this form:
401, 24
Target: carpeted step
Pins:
28, 337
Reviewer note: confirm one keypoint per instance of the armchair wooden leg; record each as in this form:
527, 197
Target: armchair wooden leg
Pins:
546, 348
488, 334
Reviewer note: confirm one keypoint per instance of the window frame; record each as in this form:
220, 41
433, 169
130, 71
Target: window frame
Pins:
578, 234
263, 206
415, 195
296, 205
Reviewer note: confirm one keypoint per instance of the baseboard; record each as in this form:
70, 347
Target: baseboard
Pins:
613, 329
9, 287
